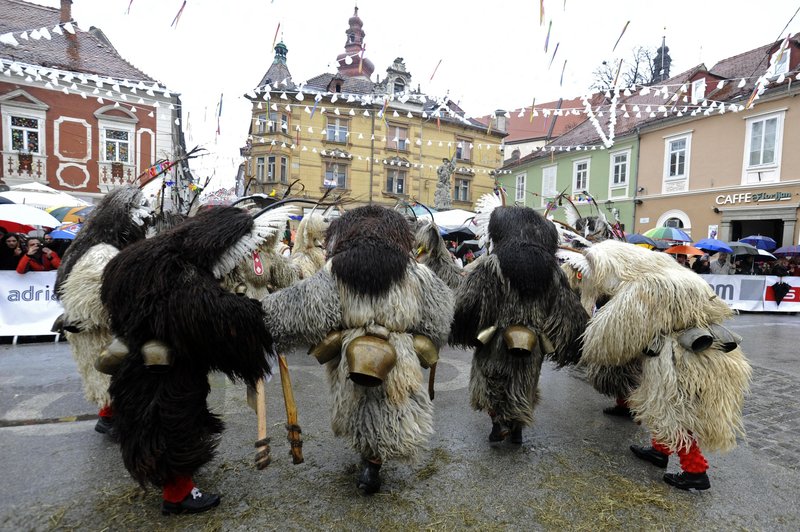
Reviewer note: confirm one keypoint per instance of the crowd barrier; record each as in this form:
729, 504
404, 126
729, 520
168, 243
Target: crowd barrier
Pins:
28, 306
755, 293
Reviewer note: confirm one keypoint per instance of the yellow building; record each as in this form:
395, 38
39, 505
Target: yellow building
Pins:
375, 141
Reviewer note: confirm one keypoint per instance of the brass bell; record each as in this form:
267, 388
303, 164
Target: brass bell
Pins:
426, 350
329, 348
111, 357
370, 360
519, 340
240, 289
486, 335
156, 355
546, 345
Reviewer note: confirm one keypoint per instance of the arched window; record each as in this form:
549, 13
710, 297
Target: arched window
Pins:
351, 37
399, 85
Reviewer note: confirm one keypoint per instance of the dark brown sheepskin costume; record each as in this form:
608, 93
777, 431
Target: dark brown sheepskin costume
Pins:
370, 248
164, 289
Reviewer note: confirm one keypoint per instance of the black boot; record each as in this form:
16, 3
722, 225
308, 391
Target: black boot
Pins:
688, 481
649, 454
194, 503
619, 411
516, 434
499, 432
369, 481
104, 425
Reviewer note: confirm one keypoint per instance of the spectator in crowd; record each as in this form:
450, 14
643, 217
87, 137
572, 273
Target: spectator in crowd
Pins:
701, 265
10, 251
38, 258
682, 260
59, 245
722, 265
794, 267
745, 266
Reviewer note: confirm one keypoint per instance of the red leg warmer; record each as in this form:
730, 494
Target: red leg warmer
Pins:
663, 449
622, 401
105, 411
693, 461
177, 489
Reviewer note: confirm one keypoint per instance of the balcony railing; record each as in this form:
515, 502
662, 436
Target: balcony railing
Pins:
24, 168
114, 175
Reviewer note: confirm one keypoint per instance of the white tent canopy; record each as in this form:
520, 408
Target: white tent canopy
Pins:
41, 196
452, 219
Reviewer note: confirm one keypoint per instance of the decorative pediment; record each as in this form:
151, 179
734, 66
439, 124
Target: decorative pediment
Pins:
397, 161
117, 114
21, 98
335, 153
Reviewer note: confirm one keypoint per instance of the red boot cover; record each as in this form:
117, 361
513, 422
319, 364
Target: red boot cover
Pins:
663, 449
693, 461
105, 411
177, 489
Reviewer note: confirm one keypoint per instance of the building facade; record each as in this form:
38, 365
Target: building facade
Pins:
76, 116
375, 141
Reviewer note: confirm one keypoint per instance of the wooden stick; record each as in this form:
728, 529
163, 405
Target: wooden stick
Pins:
263, 457
294, 431
431, 380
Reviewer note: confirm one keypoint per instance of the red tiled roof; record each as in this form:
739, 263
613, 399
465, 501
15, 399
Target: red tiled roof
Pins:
521, 128
93, 57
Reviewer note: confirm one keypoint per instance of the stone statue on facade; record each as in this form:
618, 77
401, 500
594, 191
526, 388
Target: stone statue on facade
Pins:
442, 199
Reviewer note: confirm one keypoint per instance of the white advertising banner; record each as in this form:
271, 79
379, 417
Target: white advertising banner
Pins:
755, 293
27, 303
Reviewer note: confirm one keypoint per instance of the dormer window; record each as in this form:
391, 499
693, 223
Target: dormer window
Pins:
399, 85
338, 87
781, 61
698, 90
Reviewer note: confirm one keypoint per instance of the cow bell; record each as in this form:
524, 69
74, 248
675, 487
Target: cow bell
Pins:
111, 357
156, 355
519, 340
728, 339
370, 360
329, 348
427, 352
485, 336
695, 339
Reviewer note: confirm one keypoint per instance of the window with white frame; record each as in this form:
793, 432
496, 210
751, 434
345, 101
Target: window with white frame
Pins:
278, 122
780, 60
461, 190
580, 175
25, 134
337, 130
261, 123
463, 149
395, 181
698, 90
260, 167
620, 168
677, 157
397, 138
549, 183
276, 169
763, 136
519, 189
335, 175
116, 145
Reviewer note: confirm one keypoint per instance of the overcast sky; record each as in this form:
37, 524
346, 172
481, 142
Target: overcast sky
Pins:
491, 52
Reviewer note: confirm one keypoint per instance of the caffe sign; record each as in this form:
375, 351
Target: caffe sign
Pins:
752, 197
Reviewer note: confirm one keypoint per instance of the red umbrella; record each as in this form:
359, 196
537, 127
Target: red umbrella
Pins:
684, 250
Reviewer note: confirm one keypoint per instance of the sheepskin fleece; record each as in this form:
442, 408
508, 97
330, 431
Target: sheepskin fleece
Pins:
393, 420
277, 273
80, 297
433, 253
307, 256
500, 382
682, 394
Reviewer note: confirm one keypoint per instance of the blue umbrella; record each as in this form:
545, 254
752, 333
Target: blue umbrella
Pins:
67, 231
760, 242
787, 251
636, 238
713, 245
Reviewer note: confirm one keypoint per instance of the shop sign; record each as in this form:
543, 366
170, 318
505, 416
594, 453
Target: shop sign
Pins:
752, 197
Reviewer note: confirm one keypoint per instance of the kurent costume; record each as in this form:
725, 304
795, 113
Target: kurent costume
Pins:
515, 308
308, 256
693, 374
119, 220
433, 253
373, 315
177, 324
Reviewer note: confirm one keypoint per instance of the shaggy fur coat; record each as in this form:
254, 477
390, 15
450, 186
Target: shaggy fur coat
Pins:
355, 289
433, 253
682, 395
168, 289
308, 256
520, 283
118, 221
